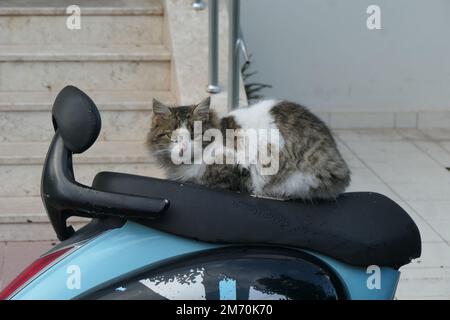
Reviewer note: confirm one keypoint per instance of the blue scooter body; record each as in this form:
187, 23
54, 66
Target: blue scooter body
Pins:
133, 246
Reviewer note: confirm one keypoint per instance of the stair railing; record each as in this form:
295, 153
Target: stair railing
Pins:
236, 45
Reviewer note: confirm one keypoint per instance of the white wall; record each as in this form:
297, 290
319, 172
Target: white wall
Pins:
320, 53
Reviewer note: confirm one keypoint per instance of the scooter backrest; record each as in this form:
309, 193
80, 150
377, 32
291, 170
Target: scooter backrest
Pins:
76, 118
77, 123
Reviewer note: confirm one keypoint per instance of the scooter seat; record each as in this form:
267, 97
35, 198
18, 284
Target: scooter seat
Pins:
359, 228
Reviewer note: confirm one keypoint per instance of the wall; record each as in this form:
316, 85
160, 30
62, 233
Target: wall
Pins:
321, 53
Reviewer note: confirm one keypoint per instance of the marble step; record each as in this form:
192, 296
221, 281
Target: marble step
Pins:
50, 68
126, 115
102, 22
25, 210
61, 52
21, 164
25, 219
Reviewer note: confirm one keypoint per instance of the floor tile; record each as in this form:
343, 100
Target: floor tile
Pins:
363, 175
436, 213
427, 232
440, 152
412, 134
429, 191
350, 158
373, 148
445, 145
412, 168
368, 134
434, 255
424, 283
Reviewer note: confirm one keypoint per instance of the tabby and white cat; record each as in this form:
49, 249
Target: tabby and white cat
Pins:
309, 163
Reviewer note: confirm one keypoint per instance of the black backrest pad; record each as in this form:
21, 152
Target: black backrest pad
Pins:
76, 118
359, 228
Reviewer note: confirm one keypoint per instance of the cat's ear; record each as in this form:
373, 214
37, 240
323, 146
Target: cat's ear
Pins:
202, 109
160, 109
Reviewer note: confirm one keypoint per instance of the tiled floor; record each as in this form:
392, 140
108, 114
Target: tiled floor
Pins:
407, 165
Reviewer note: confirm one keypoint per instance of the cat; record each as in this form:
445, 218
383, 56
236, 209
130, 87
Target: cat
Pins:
308, 163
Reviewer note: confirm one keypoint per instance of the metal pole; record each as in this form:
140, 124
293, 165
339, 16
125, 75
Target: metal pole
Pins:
213, 55
199, 5
233, 55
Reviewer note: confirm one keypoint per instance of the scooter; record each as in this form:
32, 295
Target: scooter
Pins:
157, 239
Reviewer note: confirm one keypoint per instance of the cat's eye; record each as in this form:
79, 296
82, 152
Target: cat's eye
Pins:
166, 135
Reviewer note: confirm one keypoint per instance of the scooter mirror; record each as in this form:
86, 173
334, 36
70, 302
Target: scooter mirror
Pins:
76, 118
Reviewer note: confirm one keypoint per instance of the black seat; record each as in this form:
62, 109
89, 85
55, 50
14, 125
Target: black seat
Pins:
359, 228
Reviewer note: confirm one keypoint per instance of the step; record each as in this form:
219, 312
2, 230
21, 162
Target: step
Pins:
33, 153
38, 231
117, 100
35, 68
26, 116
25, 219
24, 180
21, 164
22, 215
61, 52
25, 210
102, 22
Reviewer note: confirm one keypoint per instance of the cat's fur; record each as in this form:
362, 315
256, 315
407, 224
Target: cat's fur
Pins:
310, 165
